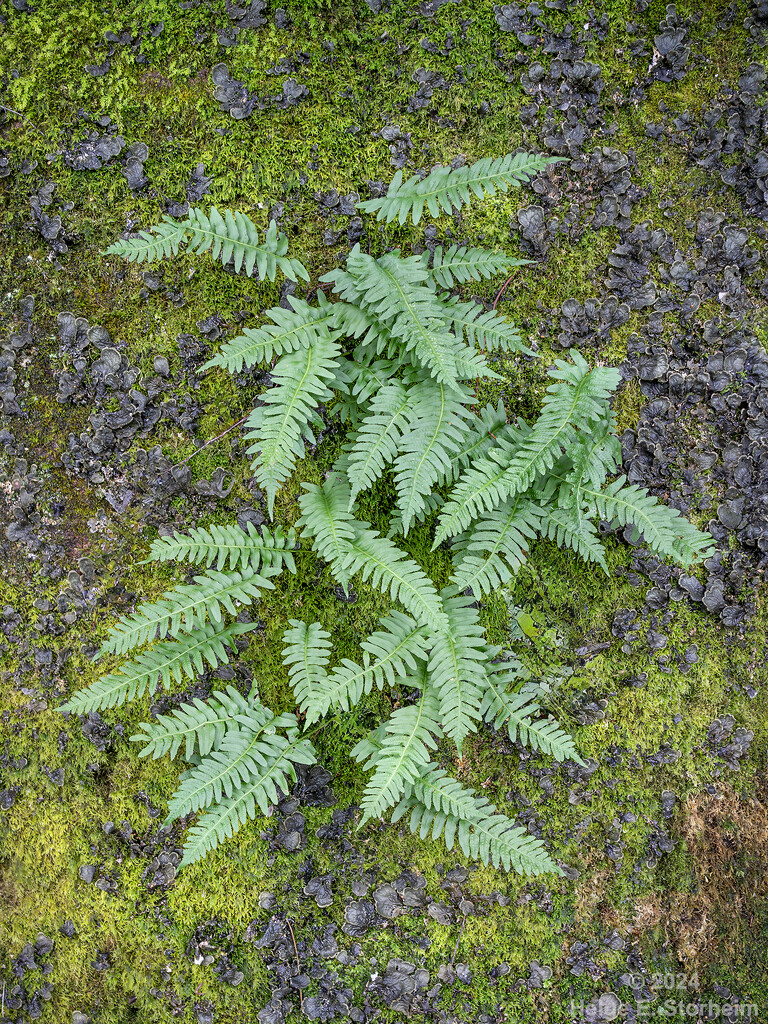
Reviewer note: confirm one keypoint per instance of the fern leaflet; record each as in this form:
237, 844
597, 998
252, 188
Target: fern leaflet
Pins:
242, 549
199, 726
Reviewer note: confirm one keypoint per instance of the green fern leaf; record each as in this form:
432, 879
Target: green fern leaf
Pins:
459, 264
186, 607
567, 528
410, 733
170, 661
497, 546
327, 521
485, 328
447, 189
250, 745
516, 712
242, 549
306, 653
436, 430
388, 654
159, 242
291, 329
663, 529
376, 442
272, 778
279, 426
396, 292
199, 726
233, 236
456, 667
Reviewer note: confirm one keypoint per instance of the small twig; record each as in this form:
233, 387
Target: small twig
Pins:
23, 118
501, 290
242, 420
298, 962
461, 932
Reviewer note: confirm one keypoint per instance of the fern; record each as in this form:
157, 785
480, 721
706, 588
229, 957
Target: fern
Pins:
306, 653
197, 725
291, 329
436, 429
390, 362
250, 745
456, 667
497, 546
171, 661
279, 427
441, 806
460, 264
228, 546
409, 735
185, 608
446, 189
229, 236
276, 775
388, 654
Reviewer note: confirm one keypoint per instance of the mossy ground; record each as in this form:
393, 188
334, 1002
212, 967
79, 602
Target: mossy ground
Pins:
703, 907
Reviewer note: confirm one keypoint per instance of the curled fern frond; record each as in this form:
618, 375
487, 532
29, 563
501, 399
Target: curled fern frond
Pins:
228, 546
167, 662
447, 189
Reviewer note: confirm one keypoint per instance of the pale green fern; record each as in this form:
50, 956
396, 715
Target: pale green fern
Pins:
393, 358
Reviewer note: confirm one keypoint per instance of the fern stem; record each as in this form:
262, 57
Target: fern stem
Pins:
211, 440
501, 290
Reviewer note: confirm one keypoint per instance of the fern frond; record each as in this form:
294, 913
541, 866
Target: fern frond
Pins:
459, 264
200, 726
357, 322
517, 711
456, 667
326, 519
242, 549
159, 242
279, 426
438, 804
485, 328
481, 486
411, 732
250, 745
233, 236
388, 568
447, 189
186, 608
166, 662
377, 440
388, 654
397, 292
577, 396
436, 429
567, 528
497, 546
274, 778
306, 652
291, 329
664, 530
